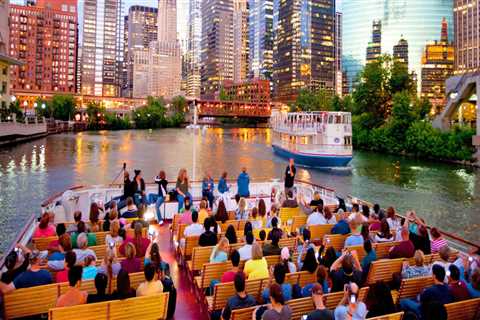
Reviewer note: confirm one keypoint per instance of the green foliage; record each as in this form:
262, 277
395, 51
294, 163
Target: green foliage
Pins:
43, 112
13, 108
113, 122
223, 96
154, 114
309, 100
63, 106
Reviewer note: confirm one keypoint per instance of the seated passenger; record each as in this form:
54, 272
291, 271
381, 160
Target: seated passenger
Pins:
113, 238
272, 248
60, 230
140, 242
70, 260
394, 223
286, 259
151, 286
208, 237
310, 262
444, 259
73, 296
94, 224
344, 270
77, 217
111, 216
56, 260
316, 217
186, 215
194, 229
350, 307
110, 266
203, 212
132, 209
321, 281
384, 235
220, 251
83, 251
321, 312
342, 226
230, 275
246, 250
370, 256
256, 221
82, 228
257, 267
131, 263
222, 214
240, 300
379, 300
44, 228
458, 288
279, 309
417, 270
16, 262
32, 277
290, 202
101, 282
231, 234
89, 269
242, 212
405, 249
279, 273
123, 290
275, 229
274, 214
356, 238
437, 242
329, 217
474, 285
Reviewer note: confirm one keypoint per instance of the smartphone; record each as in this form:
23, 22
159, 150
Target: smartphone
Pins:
329, 241
448, 273
470, 259
353, 298
111, 244
304, 317
17, 250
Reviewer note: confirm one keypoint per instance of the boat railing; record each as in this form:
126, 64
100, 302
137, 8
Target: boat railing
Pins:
453, 240
23, 237
313, 148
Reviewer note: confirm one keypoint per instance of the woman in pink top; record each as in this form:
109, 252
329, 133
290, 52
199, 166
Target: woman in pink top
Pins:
44, 229
141, 243
437, 241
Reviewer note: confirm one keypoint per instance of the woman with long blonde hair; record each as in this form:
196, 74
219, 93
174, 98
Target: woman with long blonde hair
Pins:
219, 252
182, 188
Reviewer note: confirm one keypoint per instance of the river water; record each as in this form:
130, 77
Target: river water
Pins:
445, 195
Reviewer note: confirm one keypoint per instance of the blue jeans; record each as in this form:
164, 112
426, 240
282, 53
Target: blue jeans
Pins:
181, 200
410, 305
158, 200
209, 195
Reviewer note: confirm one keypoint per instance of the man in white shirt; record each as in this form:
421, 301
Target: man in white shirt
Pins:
316, 218
246, 251
195, 229
83, 251
150, 286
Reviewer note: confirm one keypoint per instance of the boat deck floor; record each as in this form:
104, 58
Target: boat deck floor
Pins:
187, 306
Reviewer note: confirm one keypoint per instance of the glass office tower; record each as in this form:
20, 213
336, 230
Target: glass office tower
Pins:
413, 20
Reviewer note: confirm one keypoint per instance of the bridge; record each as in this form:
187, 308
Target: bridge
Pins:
232, 109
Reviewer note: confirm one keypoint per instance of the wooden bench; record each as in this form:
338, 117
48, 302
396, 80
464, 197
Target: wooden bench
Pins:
148, 307
30, 301
243, 313
410, 288
135, 279
234, 223
298, 222
383, 269
43, 242
211, 271
290, 243
186, 251
200, 256
463, 310
391, 316
333, 299
223, 291
288, 214
318, 231
382, 249
300, 307
337, 241
301, 278
360, 251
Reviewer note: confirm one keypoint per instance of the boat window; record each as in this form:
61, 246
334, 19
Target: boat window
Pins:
338, 119
347, 140
330, 119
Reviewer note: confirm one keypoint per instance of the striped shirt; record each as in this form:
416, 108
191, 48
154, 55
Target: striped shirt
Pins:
436, 245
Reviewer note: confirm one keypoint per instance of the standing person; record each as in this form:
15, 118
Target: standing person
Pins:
243, 182
207, 189
222, 183
162, 182
290, 176
182, 188
139, 188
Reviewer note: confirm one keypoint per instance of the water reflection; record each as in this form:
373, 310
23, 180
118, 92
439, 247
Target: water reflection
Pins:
445, 195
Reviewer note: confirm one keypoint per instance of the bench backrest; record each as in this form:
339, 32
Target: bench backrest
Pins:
409, 288
288, 214
318, 231
243, 313
43, 242
290, 243
383, 269
391, 316
190, 243
382, 249
180, 230
212, 271
333, 299
298, 222
30, 301
360, 251
337, 241
148, 307
200, 256
463, 310
301, 307
223, 291
135, 279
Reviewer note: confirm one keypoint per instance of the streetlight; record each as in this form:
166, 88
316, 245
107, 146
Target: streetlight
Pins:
35, 105
13, 98
43, 105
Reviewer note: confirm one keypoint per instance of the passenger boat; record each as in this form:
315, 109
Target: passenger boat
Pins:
313, 139
190, 267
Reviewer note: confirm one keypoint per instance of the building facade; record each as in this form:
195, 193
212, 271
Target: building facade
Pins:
140, 31
255, 91
193, 53
437, 66
467, 36
102, 48
338, 55
260, 30
304, 53
374, 48
416, 20
240, 40
217, 57
164, 56
400, 51
44, 38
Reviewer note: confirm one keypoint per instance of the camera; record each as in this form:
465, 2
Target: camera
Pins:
111, 244
470, 259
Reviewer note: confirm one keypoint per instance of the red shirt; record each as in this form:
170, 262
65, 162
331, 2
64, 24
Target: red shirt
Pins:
62, 276
404, 249
186, 218
228, 276
459, 291
43, 233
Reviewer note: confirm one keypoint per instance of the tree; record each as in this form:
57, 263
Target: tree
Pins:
63, 107
309, 100
44, 112
96, 113
400, 80
179, 104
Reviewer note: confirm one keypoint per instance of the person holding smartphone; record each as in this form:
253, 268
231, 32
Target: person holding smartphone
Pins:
349, 307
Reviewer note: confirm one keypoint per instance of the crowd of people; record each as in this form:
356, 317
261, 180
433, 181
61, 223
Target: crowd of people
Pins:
335, 271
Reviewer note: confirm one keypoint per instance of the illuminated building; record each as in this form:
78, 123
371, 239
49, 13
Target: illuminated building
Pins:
193, 53
217, 57
240, 40
338, 55
374, 48
260, 24
467, 36
304, 53
44, 38
101, 47
164, 58
140, 31
437, 66
400, 51
416, 20
255, 91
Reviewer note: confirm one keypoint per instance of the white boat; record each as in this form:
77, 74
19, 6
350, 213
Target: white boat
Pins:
313, 139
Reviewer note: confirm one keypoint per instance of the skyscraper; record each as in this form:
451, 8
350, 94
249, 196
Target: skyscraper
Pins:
374, 48
467, 36
193, 53
304, 53
102, 47
400, 51
44, 37
416, 20
217, 45
437, 66
164, 57
140, 31
260, 24
240, 40
338, 54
